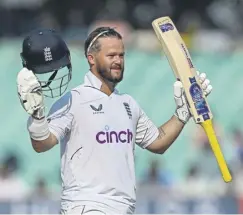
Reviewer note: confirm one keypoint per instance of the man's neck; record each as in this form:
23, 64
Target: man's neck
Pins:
107, 87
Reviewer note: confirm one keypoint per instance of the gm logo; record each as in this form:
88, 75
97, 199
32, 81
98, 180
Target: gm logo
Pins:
166, 27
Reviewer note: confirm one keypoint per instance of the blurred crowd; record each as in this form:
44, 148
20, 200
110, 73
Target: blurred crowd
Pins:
205, 20
159, 191
16, 195
18, 17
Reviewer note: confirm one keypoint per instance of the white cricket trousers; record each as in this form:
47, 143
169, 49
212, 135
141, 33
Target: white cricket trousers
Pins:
88, 210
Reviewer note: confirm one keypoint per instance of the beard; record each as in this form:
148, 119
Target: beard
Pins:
106, 74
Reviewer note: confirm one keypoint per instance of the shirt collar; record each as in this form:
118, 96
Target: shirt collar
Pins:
90, 80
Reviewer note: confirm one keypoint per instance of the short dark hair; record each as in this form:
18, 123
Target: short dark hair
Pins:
92, 44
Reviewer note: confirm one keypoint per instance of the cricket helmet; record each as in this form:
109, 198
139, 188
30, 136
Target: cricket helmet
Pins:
47, 55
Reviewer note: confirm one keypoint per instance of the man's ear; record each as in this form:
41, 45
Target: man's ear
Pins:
91, 59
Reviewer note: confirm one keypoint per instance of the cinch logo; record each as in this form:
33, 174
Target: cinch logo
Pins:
114, 137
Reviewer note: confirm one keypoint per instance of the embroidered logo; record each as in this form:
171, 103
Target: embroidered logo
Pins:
97, 110
48, 54
128, 109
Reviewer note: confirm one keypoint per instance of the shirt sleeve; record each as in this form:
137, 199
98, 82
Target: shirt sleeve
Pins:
146, 131
60, 117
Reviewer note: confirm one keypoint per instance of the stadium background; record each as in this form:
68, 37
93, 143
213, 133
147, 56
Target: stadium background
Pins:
183, 180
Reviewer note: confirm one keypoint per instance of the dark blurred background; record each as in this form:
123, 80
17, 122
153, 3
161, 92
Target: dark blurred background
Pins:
186, 178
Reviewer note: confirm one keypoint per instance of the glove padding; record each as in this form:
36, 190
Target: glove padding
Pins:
182, 110
30, 93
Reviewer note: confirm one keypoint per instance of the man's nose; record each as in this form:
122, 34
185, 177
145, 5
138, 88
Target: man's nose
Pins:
118, 60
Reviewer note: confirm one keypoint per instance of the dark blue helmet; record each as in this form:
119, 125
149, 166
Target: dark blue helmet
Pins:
45, 52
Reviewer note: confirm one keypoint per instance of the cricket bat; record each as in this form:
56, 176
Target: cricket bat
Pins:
181, 63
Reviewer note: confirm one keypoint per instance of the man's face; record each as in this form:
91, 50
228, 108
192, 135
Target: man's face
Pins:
109, 61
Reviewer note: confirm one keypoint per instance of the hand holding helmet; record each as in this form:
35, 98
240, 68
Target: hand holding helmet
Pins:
30, 93
44, 54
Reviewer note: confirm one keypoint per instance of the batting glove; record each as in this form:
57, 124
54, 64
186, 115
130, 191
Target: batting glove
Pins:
30, 94
182, 110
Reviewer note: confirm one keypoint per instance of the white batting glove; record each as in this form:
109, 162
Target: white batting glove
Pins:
182, 110
30, 94
207, 88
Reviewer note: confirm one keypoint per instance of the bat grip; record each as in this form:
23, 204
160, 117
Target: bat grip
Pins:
208, 128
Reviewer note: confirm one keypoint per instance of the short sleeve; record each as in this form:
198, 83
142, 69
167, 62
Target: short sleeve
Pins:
60, 117
146, 131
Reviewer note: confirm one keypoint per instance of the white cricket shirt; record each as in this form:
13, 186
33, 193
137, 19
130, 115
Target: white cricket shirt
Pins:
97, 134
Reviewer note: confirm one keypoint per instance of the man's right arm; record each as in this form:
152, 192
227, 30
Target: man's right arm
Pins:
32, 100
44, 145
44, 134
41, 138
48, 131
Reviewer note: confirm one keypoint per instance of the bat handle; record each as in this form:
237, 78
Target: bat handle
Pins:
208, 128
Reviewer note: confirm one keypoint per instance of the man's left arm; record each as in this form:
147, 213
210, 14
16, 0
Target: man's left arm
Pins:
169, 131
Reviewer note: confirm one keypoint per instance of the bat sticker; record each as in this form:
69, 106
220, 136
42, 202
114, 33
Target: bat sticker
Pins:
166, 27
197, 97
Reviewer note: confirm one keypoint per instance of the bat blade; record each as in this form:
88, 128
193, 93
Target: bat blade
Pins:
180, 61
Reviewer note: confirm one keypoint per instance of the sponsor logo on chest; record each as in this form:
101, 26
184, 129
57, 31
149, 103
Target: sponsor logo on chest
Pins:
111, 136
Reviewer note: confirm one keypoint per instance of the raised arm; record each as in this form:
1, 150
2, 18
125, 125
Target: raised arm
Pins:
31, 98
169, 131
41, 138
